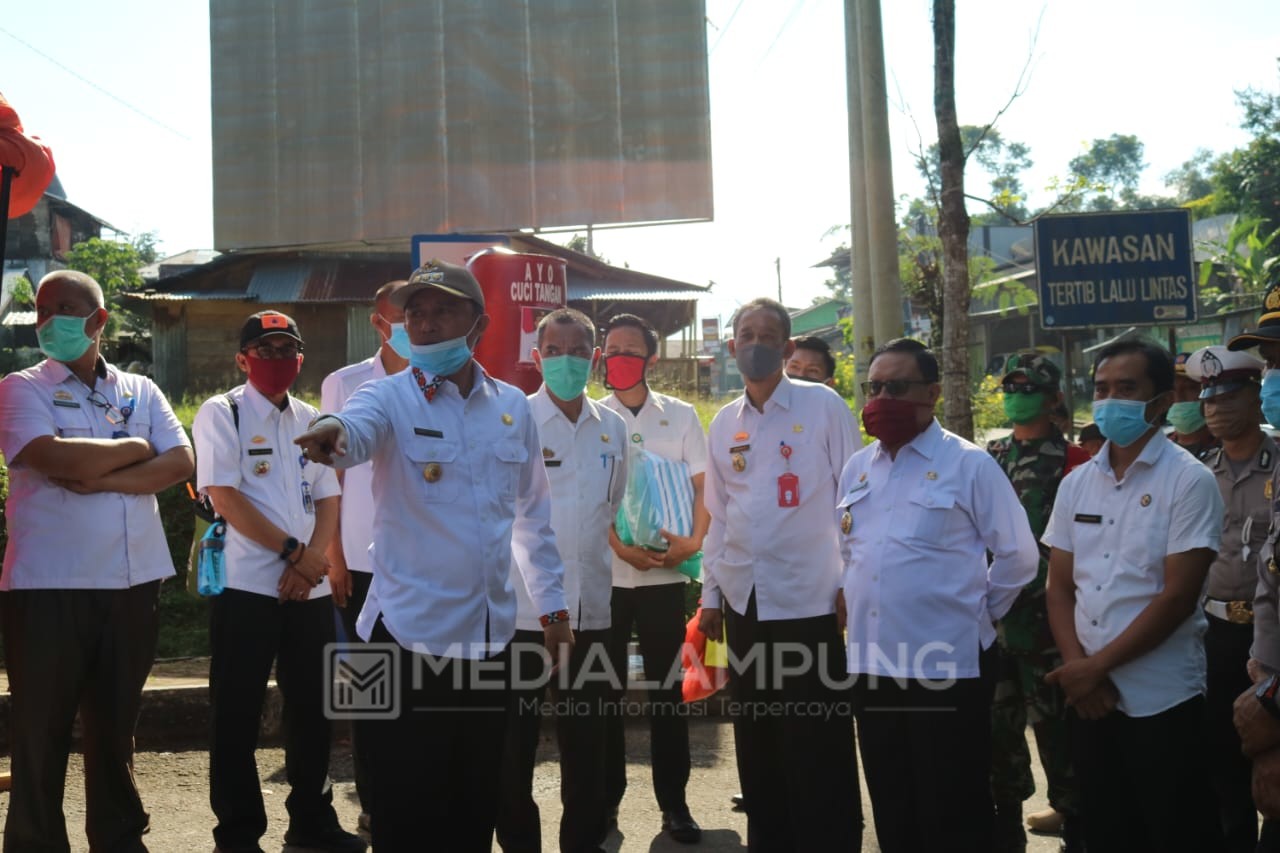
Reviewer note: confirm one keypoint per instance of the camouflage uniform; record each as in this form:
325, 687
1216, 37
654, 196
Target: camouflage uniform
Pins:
1028, 653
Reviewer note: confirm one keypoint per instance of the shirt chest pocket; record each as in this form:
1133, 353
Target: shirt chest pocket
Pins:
928, 514
71, 422
509, 459
853, 513
434, 464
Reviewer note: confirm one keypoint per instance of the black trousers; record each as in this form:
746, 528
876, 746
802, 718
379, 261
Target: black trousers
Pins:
1269, 837
359, 735
580, 720
1145, 782
657, 614
437, 764
247, 633
69, 650
926, 751
1226, 648
793, 733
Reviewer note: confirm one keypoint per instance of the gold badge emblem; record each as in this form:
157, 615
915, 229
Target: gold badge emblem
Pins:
258, 439
664, 423
507, 419
862, 478
846, 522
636, 438
65, 396
798, 428
432, 472
1267, 490
261, 467
1146, 500
604, 437
548, 453
739, 462
1273, 299
931, 475
741, 436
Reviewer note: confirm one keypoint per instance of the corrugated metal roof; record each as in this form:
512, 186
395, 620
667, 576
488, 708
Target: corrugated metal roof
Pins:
279, 282
19, 318
622, 294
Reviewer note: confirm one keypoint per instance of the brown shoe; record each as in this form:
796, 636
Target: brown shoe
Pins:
1048, 822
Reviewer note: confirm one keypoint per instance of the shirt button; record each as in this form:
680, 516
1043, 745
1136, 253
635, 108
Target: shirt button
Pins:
1106, 556
873, 614
1094, 622
875, 577
1099, 589
1112, 521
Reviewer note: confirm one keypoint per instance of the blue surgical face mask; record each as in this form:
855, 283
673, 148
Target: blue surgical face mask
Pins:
1271, 397
442, 359
1122, 422
1186, 417
62, 338
399, 340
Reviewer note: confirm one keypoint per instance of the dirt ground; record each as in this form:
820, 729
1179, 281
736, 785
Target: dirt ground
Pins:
175, 790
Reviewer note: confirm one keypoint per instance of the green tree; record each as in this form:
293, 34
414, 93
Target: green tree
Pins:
114, 265
1246, 262
1192, 182
23, 294
1111, 169
1002, 160
1247, 181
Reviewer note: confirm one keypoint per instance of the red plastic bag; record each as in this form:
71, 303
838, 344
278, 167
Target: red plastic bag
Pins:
31, 159
705, 663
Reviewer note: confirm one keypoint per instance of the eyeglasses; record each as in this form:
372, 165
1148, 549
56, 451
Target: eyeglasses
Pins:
267, 351
115, 417
895, 387
1021, 388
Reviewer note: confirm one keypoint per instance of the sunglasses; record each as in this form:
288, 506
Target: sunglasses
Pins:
895, 387
1021, 388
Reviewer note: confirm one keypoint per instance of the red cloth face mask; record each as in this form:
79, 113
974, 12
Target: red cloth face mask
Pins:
273, 376
624, 372
891, 420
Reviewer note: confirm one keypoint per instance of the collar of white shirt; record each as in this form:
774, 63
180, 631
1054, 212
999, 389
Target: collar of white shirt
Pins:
259, 406
544, 408
780, 397
59, 372
1155, 446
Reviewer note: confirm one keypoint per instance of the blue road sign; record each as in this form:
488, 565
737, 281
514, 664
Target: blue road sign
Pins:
1115, 269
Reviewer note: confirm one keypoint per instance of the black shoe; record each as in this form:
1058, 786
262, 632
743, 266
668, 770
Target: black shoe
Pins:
681, 826
335, 840
739, 802
610, 823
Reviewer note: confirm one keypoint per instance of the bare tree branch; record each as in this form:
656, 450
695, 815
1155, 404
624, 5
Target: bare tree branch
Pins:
1019, 88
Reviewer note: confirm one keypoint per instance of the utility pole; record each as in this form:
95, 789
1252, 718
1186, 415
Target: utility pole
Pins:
777, 266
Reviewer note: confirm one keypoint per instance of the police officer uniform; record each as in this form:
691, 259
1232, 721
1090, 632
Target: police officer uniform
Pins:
1246, 488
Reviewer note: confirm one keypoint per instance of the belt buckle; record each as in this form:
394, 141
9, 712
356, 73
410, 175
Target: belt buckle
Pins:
1239, 613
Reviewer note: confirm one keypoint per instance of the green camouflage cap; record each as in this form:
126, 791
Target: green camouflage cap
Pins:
1036, 367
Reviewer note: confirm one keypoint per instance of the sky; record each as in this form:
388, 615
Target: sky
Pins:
121, 93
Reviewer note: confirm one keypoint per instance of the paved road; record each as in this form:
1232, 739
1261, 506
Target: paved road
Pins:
175, 790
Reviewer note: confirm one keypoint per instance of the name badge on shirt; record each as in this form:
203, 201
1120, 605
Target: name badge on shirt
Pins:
259, 451
429, 433
1088, 519
67, 404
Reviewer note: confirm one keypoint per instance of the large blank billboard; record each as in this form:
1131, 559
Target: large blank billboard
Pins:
340, 120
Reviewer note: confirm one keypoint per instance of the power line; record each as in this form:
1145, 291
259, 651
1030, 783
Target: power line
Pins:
795, 10
94, 85
728, 24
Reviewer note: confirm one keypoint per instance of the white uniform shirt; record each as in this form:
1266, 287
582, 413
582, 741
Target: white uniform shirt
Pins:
263, 464
460, 492
59, 539
1119, 534
357, 482
586, 466
789, 555
670, 428
921, 596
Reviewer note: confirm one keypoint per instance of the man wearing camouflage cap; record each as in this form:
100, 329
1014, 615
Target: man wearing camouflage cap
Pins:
1243, 467
1035, 457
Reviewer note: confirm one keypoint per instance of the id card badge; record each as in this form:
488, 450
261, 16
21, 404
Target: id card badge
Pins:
788, 490
308, 504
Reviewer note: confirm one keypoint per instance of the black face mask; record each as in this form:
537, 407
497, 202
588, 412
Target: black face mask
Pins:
757, 361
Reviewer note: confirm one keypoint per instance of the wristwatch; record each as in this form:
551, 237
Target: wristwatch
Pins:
290, 545
1266, 694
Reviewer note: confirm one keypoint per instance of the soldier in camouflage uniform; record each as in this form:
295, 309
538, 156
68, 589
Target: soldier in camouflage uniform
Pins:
1035, 457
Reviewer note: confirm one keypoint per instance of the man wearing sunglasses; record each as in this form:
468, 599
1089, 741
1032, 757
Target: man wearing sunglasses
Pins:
919, 510
1035, 457
88, 447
